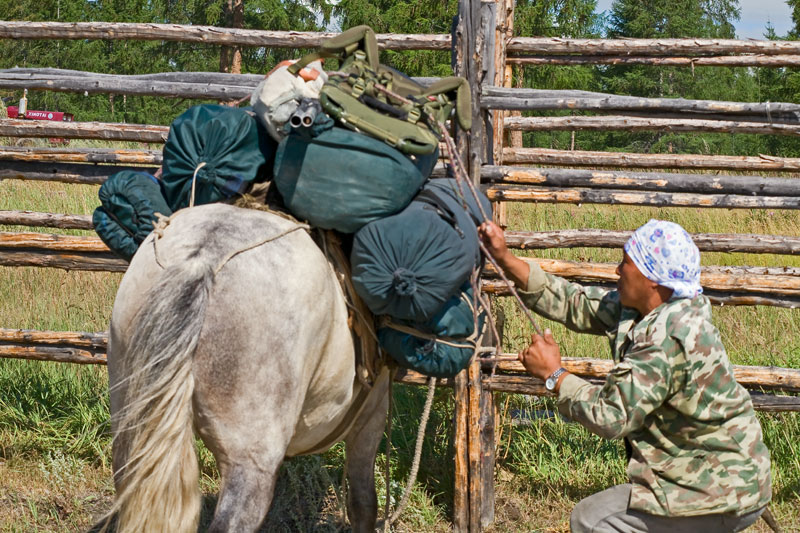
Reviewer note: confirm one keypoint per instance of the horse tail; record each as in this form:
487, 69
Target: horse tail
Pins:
157, 486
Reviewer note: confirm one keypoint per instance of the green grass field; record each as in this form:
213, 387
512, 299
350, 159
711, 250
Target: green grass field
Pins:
55, 446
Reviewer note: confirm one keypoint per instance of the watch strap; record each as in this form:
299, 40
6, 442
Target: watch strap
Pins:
553, 378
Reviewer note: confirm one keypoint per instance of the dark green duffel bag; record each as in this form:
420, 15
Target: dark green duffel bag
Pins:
339, 179
225, 146
440, 347
408, 265
130, 201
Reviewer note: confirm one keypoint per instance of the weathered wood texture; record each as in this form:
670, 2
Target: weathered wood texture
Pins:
93, 83
649, 47
532, 386
99, 262
776, 280
83, 347
751, 377
601, 238
750, 60
51, 242
541, 99
721, 298
643, 181
529, 385
203, 34
616, 123
82, 173
45, 220
460, 445
81, 155
60, 346
192, 85
547, 156
84, 130
520, 193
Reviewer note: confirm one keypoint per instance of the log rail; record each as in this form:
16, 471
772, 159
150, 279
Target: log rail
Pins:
90, 348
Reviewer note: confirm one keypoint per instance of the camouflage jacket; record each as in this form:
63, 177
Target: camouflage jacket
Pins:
697, 445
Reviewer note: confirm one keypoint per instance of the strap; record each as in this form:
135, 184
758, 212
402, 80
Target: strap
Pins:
304, 61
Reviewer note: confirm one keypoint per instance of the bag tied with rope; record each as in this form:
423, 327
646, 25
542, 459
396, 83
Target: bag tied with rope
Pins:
131, 202
444, 345
408, 265
363, 149
214, 153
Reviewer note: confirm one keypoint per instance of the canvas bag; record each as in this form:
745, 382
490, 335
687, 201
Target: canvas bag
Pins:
130, 202
222, 149
353, 96
408, 265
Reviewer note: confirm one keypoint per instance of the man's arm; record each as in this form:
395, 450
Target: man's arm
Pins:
634, 388
585, 309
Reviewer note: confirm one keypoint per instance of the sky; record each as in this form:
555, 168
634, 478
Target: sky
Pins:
754, 17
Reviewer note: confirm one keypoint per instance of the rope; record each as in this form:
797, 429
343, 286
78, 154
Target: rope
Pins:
412, 476
461, 177
194, 180
259, 243
162, 222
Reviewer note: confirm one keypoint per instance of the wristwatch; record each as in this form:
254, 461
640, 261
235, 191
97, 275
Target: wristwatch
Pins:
550, 383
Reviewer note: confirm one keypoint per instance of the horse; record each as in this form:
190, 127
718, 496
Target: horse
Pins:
231, 324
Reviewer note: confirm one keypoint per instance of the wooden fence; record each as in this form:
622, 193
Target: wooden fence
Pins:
485, 53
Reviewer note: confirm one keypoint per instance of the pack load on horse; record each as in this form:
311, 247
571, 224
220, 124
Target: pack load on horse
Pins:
350, 150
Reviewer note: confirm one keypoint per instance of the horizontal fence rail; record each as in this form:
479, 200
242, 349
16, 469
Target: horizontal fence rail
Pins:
46, 220
86, 174
90, 348
517, 193
81, 155
540, 99
290, 39
629, 123
601, 238
646, 181
648, 47
107, 131
204, 34
585, 158
726, 285
519, 384
750, 60
530, 240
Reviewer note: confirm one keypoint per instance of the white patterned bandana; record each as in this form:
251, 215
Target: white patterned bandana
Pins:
666, 254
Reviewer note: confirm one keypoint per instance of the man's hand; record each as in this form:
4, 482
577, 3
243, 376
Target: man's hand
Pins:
494, 239
542, 357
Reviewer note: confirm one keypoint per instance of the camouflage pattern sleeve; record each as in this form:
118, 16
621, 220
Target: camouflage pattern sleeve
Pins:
584, 309
634, 388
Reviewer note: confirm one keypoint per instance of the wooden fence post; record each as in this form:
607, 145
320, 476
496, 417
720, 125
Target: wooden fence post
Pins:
475, 61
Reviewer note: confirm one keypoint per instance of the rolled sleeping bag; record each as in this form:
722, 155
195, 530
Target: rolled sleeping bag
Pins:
130, 202
408, 265
440, 347
222, 149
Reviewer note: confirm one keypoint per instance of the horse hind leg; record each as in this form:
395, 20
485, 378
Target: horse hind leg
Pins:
361, 447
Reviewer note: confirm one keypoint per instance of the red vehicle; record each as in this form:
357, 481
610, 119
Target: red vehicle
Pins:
30, 114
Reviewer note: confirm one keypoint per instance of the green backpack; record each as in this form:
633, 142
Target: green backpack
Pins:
375, 99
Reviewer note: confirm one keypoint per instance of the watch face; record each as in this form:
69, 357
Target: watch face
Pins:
550, 384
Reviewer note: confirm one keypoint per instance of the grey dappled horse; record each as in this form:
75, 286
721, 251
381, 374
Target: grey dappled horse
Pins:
232, 323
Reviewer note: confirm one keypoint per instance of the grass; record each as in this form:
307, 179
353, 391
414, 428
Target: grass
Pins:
54, 442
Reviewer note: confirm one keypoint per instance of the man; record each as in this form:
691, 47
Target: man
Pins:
698, 462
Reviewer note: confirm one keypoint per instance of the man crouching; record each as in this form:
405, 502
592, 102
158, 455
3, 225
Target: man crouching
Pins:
697, 459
